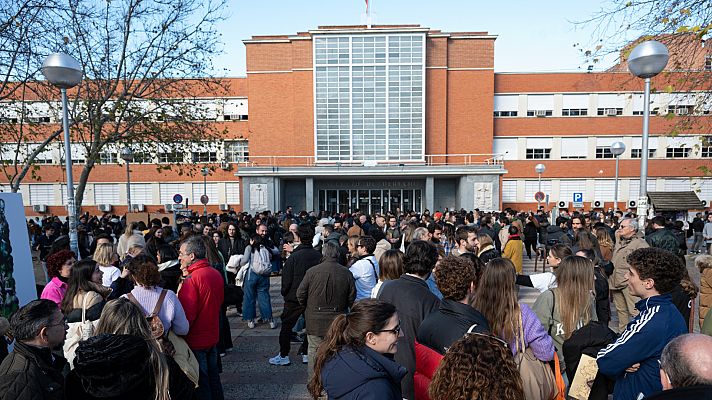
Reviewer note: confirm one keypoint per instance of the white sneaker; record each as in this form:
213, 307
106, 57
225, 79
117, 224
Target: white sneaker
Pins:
272, 324
305, 359
251, 324
279, 360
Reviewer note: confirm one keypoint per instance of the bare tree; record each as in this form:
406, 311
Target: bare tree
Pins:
145, 63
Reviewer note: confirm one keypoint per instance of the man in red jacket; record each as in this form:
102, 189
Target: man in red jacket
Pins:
201, 296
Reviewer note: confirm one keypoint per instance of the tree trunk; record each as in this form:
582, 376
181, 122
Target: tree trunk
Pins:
82, 184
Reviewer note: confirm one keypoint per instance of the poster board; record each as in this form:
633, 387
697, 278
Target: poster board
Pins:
17, 280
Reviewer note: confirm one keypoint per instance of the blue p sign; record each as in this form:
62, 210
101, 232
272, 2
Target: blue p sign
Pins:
578, 197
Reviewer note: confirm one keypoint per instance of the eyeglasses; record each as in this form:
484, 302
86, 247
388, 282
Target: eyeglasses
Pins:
62, 322
489, 336
395, 331
623, 226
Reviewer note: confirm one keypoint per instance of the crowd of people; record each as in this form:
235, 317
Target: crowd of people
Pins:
407, 305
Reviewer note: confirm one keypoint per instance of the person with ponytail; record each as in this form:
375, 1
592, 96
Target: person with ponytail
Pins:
355, 360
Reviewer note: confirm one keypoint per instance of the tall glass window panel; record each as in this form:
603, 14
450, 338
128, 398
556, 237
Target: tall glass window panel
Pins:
369, 97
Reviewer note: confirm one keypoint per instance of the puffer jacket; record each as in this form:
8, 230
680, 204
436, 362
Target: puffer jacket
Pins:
624, 246
664, 239
705, 292
31, 373
362, 373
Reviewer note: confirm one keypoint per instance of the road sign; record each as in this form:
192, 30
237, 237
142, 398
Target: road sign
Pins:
539, 196
177, 198
578, 198
204, 199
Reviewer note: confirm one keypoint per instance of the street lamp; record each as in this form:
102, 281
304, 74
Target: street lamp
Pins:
205, 171
539, 169
64, 72
646, 60
128, 156
617, 148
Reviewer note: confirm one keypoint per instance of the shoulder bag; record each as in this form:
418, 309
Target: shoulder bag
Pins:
78, 332
538, 379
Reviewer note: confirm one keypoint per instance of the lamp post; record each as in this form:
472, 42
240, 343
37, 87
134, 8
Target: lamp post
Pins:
64, 72
539, 169
128, 156
205, 171
617, 148
646, 60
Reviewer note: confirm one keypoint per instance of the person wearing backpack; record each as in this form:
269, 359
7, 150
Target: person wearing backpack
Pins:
256, 286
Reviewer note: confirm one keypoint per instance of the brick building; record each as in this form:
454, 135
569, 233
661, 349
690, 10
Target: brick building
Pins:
345, 117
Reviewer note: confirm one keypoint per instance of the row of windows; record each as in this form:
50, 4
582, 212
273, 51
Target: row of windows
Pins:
604, 104
141, 193
232, 151
600, 189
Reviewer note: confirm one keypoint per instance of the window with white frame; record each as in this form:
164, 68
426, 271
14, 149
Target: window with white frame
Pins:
171, 153
41, 194
540, 105
106, 193
506, 105
538, 148
706, 147
531, 187
45, 156
204, 152
8, 153
610, 104
211, 189
681, 103
235, 110
141, 193
574, 105
232, 192
603, 147
680, 146
678, 185
109, 155
236, 151
505, 147
509, 191
78, 152
203, 109
38, 112
568, 187
168, 190
636, 150
574, 147
604, 189
369, 97
10, 112
704, 189
639, 103
634, 188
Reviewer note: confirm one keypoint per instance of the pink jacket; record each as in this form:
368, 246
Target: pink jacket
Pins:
54, 291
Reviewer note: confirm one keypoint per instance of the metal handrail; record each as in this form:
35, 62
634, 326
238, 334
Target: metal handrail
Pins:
429, 160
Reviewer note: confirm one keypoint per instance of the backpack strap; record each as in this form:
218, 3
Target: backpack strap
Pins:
375, 274
159, 303
133, 300
553, 306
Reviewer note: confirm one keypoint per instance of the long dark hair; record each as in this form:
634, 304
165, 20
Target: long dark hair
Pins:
368, 315
256, 243
79, 280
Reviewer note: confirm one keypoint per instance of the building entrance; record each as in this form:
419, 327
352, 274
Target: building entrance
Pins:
371, 201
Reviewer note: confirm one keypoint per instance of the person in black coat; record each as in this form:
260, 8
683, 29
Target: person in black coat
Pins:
457, 280
414, 300
296, 266
230, 245
355, 361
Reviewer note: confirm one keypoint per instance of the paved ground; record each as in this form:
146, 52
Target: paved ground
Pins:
248, 375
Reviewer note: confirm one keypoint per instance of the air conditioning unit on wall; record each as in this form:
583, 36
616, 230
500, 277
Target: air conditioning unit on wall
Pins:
632, 204
105, 207
168, 207
137, 207
224, 207
563, 204
611, 112
540, 113
39, 208
597, 204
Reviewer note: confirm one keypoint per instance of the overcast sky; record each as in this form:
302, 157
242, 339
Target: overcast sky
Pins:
532, 36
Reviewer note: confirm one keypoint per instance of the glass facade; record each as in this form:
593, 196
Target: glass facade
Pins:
372, 201
369, 97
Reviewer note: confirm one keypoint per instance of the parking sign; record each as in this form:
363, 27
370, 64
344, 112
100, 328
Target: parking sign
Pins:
578, 197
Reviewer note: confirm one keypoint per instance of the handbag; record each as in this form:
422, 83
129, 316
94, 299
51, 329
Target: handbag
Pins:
241, 274
538, 379
78, 332
184, 357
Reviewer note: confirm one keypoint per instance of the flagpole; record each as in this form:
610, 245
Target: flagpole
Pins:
368, 14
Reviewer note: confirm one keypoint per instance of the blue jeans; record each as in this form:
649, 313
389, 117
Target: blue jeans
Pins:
256, 287
209, 386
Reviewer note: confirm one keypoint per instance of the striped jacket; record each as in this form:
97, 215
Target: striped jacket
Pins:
642, 342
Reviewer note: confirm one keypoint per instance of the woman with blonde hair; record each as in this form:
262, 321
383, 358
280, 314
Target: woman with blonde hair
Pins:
485, 248
604, 243
571, 304
477, 367
131, 236
105, 255
515, 323
391, 267
124, 361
